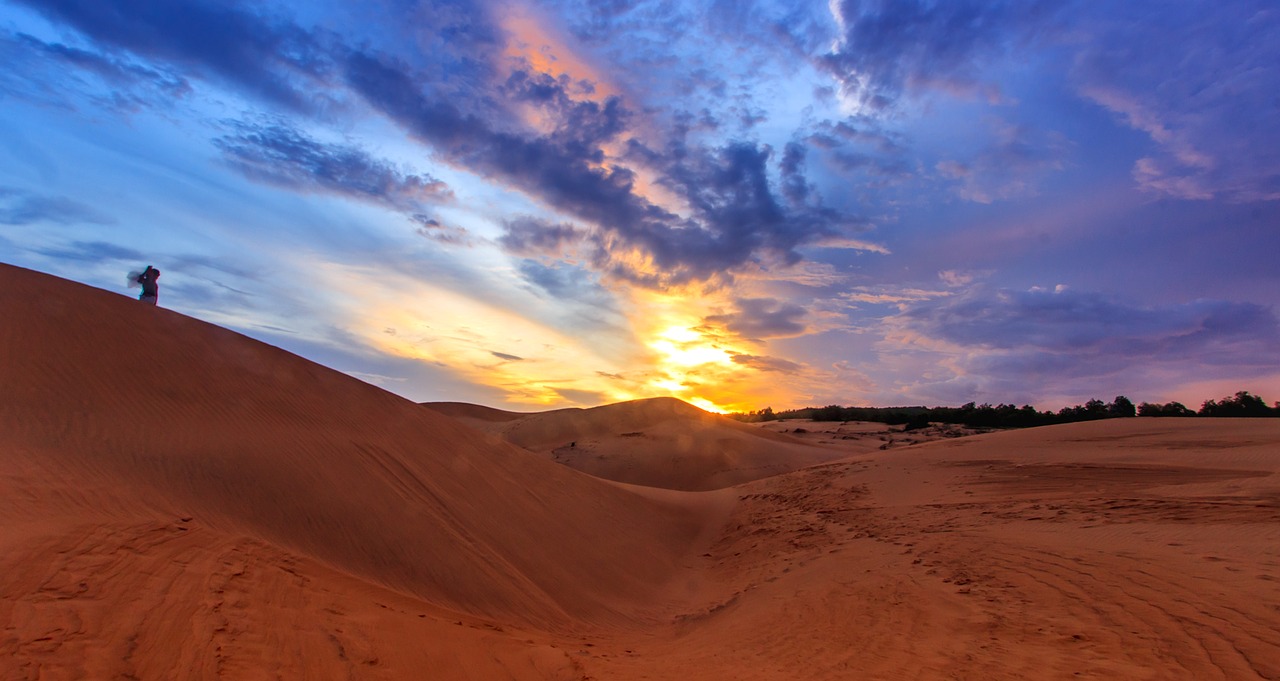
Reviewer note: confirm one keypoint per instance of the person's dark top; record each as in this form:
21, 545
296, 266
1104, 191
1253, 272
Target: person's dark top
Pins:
150, 288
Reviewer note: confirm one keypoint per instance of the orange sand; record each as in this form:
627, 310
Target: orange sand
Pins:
180, 502
661, 442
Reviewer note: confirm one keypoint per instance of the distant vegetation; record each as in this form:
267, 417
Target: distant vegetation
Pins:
1242, 404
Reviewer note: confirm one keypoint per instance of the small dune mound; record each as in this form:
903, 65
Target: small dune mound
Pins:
660, 442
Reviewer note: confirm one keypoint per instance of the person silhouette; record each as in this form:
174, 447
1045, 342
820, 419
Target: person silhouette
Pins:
150, 289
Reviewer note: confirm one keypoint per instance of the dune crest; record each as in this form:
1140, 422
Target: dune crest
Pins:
656, 442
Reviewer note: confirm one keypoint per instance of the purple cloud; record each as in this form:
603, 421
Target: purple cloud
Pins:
528, 235
736, 215
1199, 79
888, 48
759, 318
1066, 321
39, 70
18, 207
1010, 341
278, 154
222, 40
431, 228
763, 363
739, 215
1009, 166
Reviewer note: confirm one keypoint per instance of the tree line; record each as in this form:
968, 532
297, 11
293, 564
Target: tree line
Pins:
1242, 404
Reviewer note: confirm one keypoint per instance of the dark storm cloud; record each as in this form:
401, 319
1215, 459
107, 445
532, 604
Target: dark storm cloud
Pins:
887, 48
737, 215
762, 318
794, 185
528, 235
557, 168
39, 70
220, 39
277, 154
19, 207
584, 123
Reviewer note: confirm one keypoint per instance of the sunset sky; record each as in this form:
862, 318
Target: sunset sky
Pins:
742, 204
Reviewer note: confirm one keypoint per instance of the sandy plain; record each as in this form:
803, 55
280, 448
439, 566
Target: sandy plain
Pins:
178, 501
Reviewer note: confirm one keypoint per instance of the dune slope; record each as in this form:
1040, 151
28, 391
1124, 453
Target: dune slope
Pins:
658, 442
1125, 549
126, 428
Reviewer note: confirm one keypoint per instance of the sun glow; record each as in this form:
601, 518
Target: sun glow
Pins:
689, 362
689, 354
707, 405
532, 363
661, 345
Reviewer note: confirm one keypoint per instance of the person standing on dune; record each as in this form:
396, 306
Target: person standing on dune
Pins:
150, 289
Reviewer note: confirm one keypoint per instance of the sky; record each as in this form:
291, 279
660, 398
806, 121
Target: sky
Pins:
535, 205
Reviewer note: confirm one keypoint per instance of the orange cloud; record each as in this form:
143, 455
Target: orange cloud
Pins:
536, 43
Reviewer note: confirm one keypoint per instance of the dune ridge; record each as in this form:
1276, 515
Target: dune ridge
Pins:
656, 442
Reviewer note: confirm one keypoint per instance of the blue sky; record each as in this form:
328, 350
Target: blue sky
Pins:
742, 204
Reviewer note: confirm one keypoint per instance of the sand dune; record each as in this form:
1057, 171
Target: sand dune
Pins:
122, 425
180, 502
659, 442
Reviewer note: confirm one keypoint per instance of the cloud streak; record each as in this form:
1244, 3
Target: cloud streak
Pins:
18, 207
887, 49
999, 341
278, 154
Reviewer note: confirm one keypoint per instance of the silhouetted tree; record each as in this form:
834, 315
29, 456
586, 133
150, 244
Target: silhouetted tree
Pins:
1241, 404
831, 412
1167, 409
986, 415
1121, 407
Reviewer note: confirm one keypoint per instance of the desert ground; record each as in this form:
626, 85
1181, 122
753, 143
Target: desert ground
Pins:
178, 501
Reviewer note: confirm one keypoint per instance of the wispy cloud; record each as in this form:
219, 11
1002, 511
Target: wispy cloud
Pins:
996, 342
759, 318
887, 49
1010, 166
54, 73
1199, 80
19, 207
278, 154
